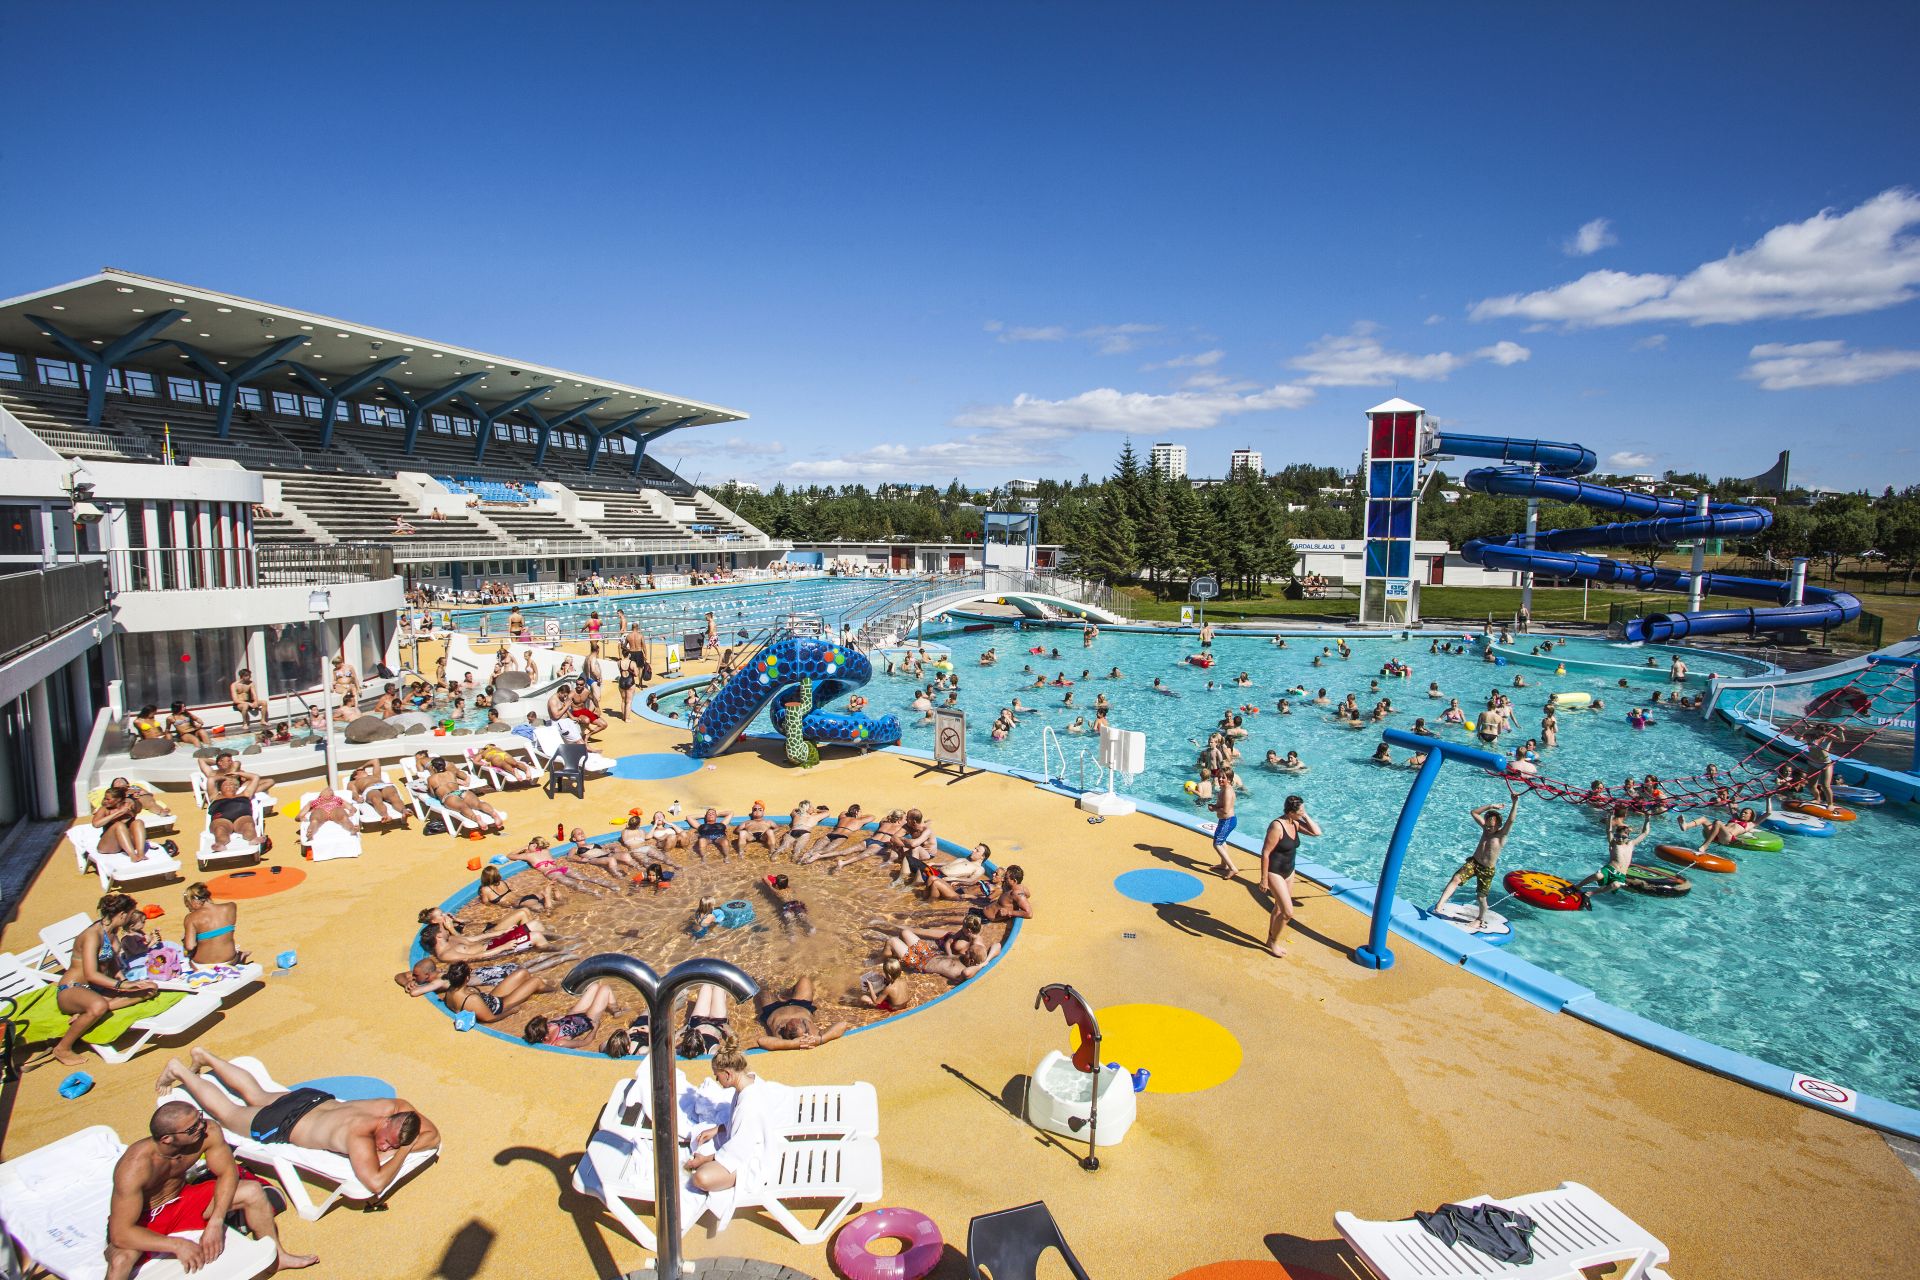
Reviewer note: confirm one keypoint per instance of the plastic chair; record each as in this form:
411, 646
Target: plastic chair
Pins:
567, 770
1007, 1245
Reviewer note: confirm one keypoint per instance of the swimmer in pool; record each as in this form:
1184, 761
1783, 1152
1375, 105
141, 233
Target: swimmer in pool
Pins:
1621, 841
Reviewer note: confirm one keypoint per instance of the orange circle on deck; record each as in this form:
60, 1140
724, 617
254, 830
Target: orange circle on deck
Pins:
256, 882
1251, 1270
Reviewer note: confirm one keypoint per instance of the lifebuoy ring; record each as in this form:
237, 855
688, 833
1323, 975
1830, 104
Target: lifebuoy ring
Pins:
1681, 856
1549, 892
921, 1246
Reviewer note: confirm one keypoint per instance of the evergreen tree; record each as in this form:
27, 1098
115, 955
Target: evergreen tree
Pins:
1158, 540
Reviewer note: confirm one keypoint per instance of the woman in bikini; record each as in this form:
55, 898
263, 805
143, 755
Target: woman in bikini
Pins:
574, 1028
91, 987
464, 995
803, 827
495, 891
884, 841
329, 806
1276, 865
706, 1028
442, 937
121, 830
370, 787
534, 855
1722, 830
207, 931
788, 1022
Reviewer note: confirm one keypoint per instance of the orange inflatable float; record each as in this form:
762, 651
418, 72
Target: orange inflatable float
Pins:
1831, 812
1684, 857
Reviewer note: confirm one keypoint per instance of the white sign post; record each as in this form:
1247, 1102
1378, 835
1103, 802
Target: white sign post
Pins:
950, 738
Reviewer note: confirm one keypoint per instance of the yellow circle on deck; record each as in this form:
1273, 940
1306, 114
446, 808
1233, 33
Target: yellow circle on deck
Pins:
1185, 1051
291, 809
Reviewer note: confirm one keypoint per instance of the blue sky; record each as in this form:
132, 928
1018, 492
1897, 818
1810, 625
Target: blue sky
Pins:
988, 241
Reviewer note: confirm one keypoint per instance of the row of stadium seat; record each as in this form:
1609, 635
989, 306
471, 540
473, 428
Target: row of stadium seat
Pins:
508, 492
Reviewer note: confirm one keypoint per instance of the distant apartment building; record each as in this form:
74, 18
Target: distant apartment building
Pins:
1022, 486
1246, 461
1169, 461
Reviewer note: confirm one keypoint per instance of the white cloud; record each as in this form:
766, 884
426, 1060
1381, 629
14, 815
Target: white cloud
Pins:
1626, 461
693, 442
1787, 366
1652, 342
1107, 339
938, 461
1832, 264
1138, 412
1436, 318
1198, 360
1590, 239
1358, 359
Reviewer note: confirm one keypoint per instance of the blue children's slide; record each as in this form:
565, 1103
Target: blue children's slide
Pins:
771, 679
1544, 469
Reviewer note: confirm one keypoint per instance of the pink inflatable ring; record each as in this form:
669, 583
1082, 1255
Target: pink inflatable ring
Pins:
913, 1229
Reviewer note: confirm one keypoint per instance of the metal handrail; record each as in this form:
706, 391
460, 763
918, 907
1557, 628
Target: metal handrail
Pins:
407, 548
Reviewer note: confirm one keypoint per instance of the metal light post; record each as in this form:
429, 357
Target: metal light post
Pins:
319, 604
660, 995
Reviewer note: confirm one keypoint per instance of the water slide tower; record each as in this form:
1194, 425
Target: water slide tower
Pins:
1389, 588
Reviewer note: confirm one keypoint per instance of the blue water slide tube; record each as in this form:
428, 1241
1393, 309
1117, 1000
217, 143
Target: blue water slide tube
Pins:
771, 678
1546, 469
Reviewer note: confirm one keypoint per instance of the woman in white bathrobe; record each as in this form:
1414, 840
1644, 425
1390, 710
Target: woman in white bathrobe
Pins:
741, 1160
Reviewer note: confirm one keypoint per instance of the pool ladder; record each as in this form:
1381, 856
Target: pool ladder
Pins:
1051, 746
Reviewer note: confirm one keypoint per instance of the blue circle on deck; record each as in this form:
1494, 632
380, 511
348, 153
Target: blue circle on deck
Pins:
351, 1088
654, 766
1157, 884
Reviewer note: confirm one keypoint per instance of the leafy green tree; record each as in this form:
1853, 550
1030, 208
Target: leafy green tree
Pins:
1842, 527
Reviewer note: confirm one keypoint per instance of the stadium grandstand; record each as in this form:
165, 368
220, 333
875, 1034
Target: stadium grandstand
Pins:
464, 465
196, 484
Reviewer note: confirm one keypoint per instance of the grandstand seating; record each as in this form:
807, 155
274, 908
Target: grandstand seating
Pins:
362, 509
348, 487
512, 493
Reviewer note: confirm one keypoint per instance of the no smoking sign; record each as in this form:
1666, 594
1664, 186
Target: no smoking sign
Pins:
1825, 1092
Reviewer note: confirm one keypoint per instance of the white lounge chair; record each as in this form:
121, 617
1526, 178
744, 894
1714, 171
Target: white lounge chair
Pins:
154, 821
618, 1167
289, 1162
55, 1199
327, 841
496, 778
56, 943
547, 743
16, 981
811, 1110
424, 803
117, 870
1574, 1228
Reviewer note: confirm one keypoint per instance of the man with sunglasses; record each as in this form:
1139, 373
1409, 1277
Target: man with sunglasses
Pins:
152, 1197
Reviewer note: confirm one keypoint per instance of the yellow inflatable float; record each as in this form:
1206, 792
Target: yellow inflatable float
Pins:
1572, 699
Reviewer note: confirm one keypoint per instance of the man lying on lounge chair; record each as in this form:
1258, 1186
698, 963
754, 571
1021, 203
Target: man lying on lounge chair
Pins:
311, 1118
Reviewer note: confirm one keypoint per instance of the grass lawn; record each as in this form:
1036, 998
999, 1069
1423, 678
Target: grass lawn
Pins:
1550, 604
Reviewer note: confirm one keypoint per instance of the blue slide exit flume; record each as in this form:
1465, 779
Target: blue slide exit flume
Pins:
1671, 520
772, 673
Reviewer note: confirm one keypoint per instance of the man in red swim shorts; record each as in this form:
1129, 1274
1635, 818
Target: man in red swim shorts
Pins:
152, 1198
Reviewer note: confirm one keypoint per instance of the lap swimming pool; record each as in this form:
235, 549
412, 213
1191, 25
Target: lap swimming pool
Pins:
1802, 958
745, 606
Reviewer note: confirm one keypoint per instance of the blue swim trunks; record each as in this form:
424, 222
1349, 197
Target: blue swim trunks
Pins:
1223, 829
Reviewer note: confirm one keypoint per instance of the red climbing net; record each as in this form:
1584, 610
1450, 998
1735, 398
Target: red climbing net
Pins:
1842, 720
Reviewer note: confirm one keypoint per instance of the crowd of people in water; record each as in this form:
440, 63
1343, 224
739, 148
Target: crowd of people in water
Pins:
489, 969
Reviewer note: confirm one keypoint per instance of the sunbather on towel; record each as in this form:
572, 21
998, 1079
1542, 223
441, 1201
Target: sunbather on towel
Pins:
152, 1198
93, 987
362, 1131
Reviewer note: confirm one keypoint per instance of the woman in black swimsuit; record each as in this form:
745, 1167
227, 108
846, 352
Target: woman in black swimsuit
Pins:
1276, 864
461, 996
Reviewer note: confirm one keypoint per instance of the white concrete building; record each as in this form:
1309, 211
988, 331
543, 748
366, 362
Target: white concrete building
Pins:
1435, 563
1169, 461
1246, 461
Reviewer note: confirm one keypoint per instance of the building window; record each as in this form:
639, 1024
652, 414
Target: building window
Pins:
250, 398
57, 373
440, 424
185, 390
140, 383
295, 651
501, 431
313, 406
194, 667
370, 414
286, 404
19, 531
521, 433
9, 367
396, 419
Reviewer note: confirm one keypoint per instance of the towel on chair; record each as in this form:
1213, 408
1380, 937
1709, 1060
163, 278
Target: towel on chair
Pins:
1498, 1232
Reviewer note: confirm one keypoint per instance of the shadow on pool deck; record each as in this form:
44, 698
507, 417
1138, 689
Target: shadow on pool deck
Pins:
1012, 1100
590, 1220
